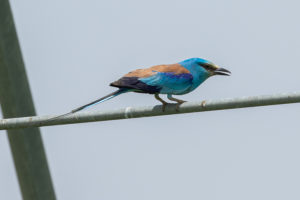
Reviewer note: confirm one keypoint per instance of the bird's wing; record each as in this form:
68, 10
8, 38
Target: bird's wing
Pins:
143, 73
157, 79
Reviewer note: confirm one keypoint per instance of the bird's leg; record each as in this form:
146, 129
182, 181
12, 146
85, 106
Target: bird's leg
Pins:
179, 101
162, 101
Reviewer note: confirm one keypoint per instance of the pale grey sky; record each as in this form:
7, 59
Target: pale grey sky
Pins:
74, 49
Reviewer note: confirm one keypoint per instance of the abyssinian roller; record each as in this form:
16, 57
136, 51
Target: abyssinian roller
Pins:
170, 79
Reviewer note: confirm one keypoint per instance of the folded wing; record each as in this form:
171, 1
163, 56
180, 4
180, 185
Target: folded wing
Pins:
164, 79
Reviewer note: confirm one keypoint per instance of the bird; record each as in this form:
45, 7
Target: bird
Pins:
169, 79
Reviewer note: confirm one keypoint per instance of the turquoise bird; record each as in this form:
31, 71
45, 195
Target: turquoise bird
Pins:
172, 79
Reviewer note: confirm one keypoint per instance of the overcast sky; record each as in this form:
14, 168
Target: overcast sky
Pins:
74, 49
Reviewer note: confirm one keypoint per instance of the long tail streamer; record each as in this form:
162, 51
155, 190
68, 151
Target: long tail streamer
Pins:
102, 99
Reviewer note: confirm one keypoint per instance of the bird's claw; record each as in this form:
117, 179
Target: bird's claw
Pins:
164, 106
203, 104
178, 105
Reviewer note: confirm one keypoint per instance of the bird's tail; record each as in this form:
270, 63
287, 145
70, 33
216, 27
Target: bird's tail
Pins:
102, 99
105, 98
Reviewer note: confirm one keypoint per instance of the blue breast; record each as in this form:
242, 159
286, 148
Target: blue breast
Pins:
199, 73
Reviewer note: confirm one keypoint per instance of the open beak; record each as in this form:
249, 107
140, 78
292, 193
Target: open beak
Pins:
222, 71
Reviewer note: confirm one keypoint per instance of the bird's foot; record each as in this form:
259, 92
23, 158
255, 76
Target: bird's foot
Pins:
178, 104
203, 104
164, 106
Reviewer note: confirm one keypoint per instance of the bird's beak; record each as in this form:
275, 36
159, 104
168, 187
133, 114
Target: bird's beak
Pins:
222, 71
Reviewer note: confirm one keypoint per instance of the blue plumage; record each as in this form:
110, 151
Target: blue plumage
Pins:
169, 83
174, 79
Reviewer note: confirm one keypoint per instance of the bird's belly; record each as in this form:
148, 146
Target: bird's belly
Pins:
175, 91
180, 89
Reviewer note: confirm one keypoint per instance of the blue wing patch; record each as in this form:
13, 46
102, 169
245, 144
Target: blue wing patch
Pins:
169, 82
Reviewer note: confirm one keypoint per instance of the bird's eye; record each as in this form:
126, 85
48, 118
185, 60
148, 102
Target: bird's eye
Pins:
207, 66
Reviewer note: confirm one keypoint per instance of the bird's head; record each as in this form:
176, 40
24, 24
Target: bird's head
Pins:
206, 66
